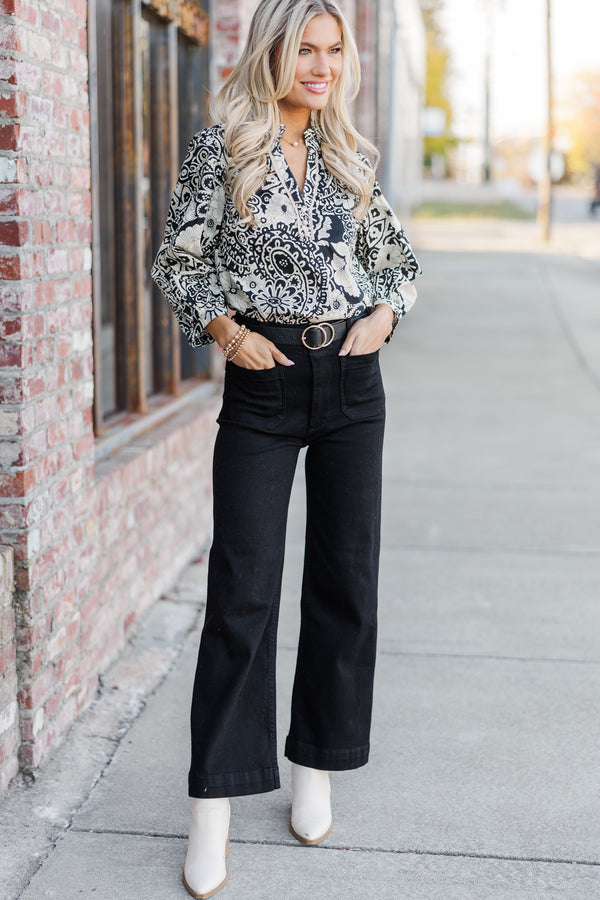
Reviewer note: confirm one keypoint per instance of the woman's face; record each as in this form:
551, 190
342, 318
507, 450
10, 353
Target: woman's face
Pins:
319, 65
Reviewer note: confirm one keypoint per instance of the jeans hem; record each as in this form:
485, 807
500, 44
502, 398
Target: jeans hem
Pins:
237, 784
327, 760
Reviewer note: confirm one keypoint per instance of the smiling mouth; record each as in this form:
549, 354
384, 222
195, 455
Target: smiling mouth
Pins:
317, 87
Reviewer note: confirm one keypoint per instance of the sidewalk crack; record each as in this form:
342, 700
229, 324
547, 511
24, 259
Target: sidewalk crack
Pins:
407, 851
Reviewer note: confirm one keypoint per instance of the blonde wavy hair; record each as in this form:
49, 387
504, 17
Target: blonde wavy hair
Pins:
248, 103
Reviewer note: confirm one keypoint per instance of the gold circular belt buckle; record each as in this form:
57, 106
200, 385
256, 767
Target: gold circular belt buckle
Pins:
326, 340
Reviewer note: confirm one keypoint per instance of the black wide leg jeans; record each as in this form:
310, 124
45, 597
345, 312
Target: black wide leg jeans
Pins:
336, 407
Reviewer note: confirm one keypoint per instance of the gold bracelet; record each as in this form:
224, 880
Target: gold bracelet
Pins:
241, 344
234, 341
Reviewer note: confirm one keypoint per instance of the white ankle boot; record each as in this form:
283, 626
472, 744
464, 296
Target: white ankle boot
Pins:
311, 819
204, 872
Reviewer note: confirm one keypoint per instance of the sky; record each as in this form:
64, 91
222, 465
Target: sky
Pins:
518, 74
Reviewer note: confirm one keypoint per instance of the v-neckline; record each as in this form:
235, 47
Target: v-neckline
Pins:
293, 177
310, 138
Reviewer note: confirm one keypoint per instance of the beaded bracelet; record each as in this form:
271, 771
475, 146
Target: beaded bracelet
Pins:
234, 341
240, 345
240, 338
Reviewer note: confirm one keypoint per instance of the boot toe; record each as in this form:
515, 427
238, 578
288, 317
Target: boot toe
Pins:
203, 884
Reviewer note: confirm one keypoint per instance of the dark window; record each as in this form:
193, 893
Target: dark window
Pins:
148, 82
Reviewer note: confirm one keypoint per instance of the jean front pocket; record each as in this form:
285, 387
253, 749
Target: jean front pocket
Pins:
253, 397
361, 386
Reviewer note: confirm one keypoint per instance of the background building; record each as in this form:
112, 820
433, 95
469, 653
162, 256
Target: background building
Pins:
107, 416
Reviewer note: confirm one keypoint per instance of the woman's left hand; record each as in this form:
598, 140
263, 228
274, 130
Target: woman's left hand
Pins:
369, 334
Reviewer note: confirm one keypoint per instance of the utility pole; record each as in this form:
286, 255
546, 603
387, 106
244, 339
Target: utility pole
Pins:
545, 185
487, 137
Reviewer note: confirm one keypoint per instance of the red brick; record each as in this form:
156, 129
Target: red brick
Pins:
10, 38
9, 137
57, 261
31, 140
66, 230
40, 47
44, 351
53, 704
22, 9
55, 203
78, 9
7, 657
30, 695
15, 297
11, 354
30, 202
9, 202
82, 289
10, 327
45, 293
17, 484
14, 234
61, 175
31, 755
22, 170
13, 104
42, 233
40, 109
64, 608
79, 65
50, 21
28, 73
8, 625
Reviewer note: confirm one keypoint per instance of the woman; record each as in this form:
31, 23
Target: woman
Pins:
278, 219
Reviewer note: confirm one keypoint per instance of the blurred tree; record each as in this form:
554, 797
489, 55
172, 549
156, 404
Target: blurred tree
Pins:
581, 123
438, 72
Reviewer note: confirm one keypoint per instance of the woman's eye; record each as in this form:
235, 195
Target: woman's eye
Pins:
336, 50
305, 51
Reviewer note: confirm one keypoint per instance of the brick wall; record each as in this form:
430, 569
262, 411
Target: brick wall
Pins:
9, 718
46, 357
366, 103
94, 544
227, 34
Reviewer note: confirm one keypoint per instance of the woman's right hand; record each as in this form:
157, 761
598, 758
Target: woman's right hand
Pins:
256, 353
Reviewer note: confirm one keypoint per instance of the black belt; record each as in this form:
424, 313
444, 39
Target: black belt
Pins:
314, 336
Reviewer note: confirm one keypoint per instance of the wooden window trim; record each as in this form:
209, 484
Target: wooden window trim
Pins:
187, 17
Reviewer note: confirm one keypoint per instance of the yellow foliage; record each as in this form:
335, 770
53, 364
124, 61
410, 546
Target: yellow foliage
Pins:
436, 86
580, 121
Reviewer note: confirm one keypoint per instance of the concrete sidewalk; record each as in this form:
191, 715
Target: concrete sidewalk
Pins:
484, 780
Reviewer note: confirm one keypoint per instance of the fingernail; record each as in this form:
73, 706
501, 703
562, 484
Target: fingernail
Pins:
290, 363
343, 353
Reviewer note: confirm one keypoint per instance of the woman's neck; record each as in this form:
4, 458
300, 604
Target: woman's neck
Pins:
296, 122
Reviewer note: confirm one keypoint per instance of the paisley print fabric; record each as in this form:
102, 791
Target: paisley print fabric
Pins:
307, 259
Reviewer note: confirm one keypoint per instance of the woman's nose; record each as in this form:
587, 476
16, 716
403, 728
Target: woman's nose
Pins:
321, 64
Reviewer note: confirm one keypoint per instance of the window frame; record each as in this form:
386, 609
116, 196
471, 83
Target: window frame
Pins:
185, 17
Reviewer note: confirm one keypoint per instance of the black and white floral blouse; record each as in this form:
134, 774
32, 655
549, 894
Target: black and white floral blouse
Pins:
307, 260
